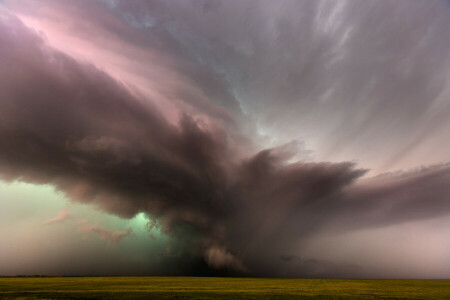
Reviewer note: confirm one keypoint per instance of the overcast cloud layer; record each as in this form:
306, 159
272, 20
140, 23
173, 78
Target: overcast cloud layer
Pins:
243, 129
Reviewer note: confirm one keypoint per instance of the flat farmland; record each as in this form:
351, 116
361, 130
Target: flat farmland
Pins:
217, 288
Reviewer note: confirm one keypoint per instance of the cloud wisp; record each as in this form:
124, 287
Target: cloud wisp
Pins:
113, 237
62, 216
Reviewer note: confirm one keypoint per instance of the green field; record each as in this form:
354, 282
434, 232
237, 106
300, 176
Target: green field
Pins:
218, 288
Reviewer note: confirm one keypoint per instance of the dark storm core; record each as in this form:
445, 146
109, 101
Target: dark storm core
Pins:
212, 159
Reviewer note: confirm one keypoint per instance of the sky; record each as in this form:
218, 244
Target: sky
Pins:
304, 138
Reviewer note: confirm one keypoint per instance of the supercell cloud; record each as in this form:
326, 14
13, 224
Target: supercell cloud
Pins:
244, 130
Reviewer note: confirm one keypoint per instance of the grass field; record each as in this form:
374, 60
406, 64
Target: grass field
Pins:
218, 288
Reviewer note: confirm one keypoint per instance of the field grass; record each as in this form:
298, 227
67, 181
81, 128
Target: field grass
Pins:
218, 288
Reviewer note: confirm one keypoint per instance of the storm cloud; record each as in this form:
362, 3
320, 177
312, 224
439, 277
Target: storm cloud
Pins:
241, 128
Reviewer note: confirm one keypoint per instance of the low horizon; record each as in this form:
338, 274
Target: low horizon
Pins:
228, 138
224, 277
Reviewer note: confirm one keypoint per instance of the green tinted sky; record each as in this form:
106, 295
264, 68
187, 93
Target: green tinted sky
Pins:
28, 246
